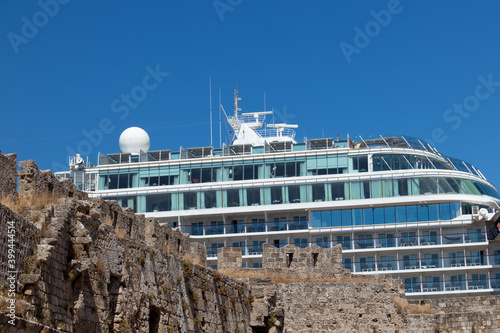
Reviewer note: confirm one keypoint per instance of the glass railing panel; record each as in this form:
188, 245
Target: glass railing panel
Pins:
495, 282
365, 266
364, 244
430, 263
255, 250
430, 240
277, 226
453, 239
386, 265
212, 252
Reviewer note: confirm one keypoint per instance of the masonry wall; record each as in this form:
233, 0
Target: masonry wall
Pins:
310, 292
8, 174
33, 181
466, 314
93, 266
21, 236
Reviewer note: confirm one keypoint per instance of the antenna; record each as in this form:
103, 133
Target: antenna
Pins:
220, 123
210, 89
265, 102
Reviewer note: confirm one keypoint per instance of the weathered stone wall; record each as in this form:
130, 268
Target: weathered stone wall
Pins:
21, 237
310, 262
88, 276
93, 266
32, 182
466, 314
306, 290
344, 307
8, 174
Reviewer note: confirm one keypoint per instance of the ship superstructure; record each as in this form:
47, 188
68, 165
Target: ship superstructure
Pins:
394, 203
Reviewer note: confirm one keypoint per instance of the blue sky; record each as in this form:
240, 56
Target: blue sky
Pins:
420, 68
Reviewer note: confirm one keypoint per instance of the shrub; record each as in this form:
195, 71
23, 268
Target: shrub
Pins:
217, 277
187, 268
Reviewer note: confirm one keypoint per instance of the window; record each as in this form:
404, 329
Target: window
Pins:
345, 241
197, 228
338, 191
347, 263
387, 263
323, 242
294, 193
301, 242
210, 199
233, 198
190, 200
276, 195
253, 196
365, 242
318, 192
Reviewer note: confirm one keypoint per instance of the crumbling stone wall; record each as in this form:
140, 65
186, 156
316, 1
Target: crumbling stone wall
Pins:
19, 235
310, 292
310, 262
306, 290
8, 174
466, 314
93, 266
32, 181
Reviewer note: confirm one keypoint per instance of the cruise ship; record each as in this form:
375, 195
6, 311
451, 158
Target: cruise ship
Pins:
395, 204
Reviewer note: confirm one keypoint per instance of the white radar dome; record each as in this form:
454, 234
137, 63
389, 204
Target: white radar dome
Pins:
133, 140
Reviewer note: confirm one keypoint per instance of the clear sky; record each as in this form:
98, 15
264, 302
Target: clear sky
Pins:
75, 74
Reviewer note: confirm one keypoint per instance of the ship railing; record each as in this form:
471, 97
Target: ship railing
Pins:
408, 263
250, 227
453, 284
274, 132
407, 240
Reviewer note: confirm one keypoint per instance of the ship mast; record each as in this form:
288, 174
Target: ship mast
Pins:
236, 99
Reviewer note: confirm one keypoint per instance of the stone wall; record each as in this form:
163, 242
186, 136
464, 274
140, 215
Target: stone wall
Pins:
19, 235
32, 182
310, 292
466, 314
8, 174
306, 290
310, 262
87, 275
93, 266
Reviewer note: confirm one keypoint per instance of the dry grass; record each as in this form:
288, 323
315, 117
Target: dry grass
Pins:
100, 266
403, 306
120, 233
37, 202
282, 278
108, 220
189, 258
